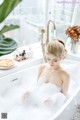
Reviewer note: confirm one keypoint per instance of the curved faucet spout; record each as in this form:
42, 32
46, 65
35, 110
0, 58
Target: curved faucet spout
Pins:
48, 26
44, 43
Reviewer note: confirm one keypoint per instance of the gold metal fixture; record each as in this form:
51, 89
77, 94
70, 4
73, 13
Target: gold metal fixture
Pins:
44, 43
42, 31
48, 27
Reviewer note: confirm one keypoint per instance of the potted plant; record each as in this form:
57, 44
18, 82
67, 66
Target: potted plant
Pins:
74, 34
7, 45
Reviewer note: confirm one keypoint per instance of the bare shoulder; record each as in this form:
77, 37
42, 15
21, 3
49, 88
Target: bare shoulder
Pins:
65, 74
40, 70
42, 66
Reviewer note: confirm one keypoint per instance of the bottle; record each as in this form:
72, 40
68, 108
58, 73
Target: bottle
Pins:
30, 52
20, 57
16, 57
23, 55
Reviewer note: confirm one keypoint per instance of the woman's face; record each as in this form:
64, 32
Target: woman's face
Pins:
52, 60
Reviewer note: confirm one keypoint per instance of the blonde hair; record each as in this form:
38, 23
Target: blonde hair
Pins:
57, 48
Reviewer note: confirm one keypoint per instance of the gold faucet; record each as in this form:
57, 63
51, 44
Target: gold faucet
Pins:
44, 44
48, 27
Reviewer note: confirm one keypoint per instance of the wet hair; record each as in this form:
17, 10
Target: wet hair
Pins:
57, 48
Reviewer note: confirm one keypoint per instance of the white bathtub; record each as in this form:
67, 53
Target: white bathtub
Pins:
29, 75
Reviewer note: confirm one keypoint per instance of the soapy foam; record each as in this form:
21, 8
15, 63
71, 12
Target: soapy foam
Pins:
11, 102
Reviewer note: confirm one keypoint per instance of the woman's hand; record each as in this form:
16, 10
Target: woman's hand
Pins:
25, 96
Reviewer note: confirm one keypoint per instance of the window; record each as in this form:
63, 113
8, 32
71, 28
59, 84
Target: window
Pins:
61, 12
32, 15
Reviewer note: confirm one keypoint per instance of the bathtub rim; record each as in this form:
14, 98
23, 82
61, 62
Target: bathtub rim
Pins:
35, 66
67, 102
70, 99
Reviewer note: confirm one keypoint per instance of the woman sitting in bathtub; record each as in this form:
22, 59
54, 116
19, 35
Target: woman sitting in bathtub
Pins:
53, 74
52, 70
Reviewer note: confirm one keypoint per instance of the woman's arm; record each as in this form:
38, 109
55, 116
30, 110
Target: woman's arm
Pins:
40, 69
65, 82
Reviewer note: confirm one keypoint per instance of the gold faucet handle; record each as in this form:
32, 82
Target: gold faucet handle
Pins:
42, 32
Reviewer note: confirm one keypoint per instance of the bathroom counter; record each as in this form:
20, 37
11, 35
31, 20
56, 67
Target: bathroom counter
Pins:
35, 60
19, 66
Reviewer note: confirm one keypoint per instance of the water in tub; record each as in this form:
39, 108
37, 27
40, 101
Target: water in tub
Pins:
33, 107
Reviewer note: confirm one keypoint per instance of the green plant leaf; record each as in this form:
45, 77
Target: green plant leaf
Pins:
7, 28
6, 8
7, 45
